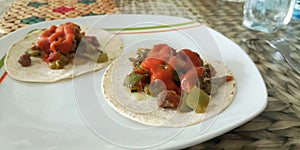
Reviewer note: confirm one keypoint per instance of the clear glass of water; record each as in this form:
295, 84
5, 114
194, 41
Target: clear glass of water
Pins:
267, 15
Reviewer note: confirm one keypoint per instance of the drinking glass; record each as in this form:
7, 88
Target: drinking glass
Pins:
267, 15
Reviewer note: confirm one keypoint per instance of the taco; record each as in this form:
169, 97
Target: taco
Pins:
165, 87
61, 52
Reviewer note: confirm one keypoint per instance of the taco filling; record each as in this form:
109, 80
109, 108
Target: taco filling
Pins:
179, 79
57, 46
164, 87
61, 52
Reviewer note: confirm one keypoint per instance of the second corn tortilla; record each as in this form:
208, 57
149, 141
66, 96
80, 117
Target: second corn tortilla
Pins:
39, 70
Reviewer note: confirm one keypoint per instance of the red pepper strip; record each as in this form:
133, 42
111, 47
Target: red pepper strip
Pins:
152, 64
45, 33
194, 58
191, 78
157, 71
46, 59
53, 56
55, 36
229, 78
166, 77
139, 71
161, 51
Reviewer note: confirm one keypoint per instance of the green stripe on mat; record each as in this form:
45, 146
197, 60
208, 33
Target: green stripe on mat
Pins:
150, 27
2, 61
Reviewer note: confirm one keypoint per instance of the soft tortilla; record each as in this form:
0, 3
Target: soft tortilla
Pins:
146, 110
39, 70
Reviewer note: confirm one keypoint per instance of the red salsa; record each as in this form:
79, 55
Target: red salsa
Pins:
57, 46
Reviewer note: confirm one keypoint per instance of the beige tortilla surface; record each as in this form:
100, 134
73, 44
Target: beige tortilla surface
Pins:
144, 108
39, 70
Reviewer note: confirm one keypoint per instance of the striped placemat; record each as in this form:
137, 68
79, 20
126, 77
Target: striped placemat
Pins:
24, 12
278, 126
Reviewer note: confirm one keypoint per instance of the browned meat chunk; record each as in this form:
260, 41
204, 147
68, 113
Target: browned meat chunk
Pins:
140, 84
25, 60
168, 99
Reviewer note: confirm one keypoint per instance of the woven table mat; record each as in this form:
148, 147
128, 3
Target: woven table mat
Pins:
278, 127
159, 7
24, 12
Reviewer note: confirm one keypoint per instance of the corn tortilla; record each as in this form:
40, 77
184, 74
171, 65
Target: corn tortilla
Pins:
144, 109
39, 71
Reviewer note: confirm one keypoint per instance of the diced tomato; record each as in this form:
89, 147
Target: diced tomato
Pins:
55, 36
171, 65
159, 72
229, 78
53, 56
191, 78
139, 71
151, 64
161, 51
43, 45
190, 58
166, 77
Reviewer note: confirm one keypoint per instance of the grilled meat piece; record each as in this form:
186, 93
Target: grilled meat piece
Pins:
25, 60
168, 99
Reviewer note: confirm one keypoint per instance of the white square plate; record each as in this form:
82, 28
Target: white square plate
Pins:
47, 116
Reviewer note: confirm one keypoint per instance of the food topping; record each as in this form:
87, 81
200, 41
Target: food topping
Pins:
178, 79
59, 38
158, 71
25, 60
168, 99
197, 99
191, 78
57, 46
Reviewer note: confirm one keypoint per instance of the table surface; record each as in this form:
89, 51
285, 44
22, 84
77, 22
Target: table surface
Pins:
278, 126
